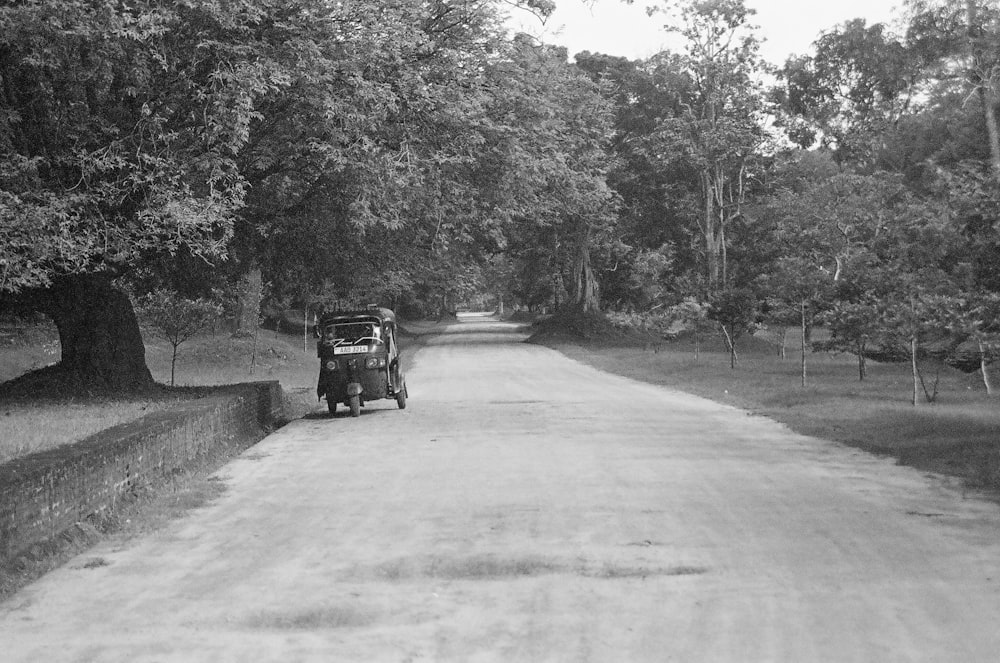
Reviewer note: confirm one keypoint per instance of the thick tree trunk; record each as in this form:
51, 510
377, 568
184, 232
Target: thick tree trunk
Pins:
708, 231
585, 290
251, 292
985, 84
992, 129
102, 347
714, 219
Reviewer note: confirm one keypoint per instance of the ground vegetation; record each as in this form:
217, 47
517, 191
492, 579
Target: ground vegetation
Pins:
283, 155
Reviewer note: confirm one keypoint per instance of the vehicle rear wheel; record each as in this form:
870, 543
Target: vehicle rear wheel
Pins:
355, 403
401, 398
331, 404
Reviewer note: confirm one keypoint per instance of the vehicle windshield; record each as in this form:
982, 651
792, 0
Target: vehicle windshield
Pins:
352, 333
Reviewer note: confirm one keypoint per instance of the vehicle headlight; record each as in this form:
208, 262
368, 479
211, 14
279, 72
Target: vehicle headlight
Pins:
375, 362
331, 365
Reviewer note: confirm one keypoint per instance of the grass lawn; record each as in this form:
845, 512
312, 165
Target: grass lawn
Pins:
958, 435
218, 359
26, 427
33, 424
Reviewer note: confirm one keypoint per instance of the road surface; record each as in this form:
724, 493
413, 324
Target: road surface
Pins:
525, 507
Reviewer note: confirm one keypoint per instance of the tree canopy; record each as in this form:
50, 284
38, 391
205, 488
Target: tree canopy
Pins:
416, 154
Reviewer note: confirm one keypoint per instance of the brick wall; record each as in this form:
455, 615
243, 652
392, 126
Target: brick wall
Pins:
45, 494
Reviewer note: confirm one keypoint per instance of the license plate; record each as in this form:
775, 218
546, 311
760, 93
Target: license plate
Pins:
350, 350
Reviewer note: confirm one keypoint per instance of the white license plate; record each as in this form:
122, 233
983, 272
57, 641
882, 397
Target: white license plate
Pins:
350, 350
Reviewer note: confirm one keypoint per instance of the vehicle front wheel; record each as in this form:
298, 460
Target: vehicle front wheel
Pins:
355, 403
401, 398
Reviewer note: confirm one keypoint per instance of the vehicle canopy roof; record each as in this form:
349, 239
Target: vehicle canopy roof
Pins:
382, 315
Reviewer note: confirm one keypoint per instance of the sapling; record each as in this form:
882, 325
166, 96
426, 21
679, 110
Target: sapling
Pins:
176, 318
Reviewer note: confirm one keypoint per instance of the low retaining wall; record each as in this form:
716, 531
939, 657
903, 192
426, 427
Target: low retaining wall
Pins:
45, 494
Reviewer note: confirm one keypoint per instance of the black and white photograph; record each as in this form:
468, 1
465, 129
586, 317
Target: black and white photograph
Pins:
514, 331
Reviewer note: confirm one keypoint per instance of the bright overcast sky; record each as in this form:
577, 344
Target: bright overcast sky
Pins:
612, 27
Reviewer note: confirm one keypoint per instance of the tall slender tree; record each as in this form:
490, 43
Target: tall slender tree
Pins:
719, 129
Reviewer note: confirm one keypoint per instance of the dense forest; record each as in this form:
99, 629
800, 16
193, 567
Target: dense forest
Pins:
273, 154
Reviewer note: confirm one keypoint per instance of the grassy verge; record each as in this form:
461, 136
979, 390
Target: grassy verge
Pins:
34, 424
210, 360
958, 435
30, 426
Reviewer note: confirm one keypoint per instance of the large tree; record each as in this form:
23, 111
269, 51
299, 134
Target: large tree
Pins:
120, 125
958, 41
559, 141
658, 195
860, 80
422, 173
719, 129
151, 129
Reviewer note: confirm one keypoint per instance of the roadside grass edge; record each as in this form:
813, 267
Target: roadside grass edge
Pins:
959, 436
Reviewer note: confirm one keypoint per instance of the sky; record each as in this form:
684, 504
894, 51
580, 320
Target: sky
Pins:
612, 27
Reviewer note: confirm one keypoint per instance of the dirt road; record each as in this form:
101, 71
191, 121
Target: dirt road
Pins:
528, 508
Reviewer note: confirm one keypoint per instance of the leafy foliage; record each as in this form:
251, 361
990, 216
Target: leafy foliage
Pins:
176, 318
119, 126
735, 309
412, 153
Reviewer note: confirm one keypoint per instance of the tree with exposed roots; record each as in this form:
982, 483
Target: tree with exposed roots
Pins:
147, 129
119, 124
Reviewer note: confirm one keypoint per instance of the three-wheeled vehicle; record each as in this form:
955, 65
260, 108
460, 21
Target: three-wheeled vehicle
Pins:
359, 359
